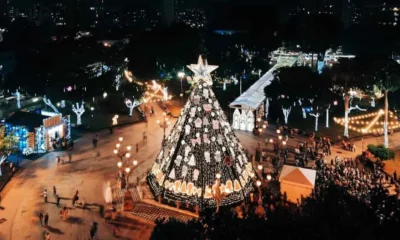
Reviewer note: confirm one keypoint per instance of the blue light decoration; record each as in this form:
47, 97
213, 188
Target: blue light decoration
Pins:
308, 110
321, 65
40, 135
20, 132
162, 75
244, 76
67, 123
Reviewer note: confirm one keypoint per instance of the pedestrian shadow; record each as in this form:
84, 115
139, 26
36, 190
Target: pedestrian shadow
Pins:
2, 208
75, 220
55, 230
65, 198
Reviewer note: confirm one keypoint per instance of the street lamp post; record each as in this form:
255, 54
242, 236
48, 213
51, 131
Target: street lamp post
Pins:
181, 75
123, 154
164, 124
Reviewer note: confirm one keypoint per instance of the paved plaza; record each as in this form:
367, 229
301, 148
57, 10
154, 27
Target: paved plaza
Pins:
22, 199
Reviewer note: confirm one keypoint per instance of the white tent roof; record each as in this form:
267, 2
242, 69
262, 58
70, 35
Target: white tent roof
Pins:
298, 176
254, 96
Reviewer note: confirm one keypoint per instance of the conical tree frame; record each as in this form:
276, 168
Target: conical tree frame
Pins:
201, 145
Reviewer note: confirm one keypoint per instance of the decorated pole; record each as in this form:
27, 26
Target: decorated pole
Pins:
18, 95
286, 112
316, 115
48, 103
131, 105
78, 110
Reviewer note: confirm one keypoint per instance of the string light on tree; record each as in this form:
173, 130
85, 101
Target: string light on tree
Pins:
369, 122
50, 104
131, 105
202, 159
78, 110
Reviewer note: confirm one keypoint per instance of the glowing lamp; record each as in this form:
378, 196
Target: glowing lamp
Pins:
258, 119
134, 162
127, 170
260, 167
271, 140
264, 126
128, 148
218, 175
280, 137
335, 102
181, 74
278, 131
120, 139
115, 151
258, 183
119, 164
118, 145
127, 155
269, 177
284, 142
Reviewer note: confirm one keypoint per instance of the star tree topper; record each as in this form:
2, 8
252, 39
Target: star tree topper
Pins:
202, 71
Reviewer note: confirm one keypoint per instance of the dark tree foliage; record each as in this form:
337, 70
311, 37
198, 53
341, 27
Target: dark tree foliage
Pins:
334, 215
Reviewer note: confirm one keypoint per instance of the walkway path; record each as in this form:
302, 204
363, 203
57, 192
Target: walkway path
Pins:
23, 196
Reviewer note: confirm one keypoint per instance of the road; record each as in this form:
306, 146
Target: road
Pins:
23, 196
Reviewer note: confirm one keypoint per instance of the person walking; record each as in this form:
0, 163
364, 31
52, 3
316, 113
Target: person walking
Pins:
54, 190
41, 218
45, 196
47, 236
69, 157
46, 219
58, 200
137, 147
65, 213
93, 230
58, 160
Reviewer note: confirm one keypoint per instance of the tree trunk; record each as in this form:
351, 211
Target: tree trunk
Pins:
304, 113
327, 118
386, 121
346, 114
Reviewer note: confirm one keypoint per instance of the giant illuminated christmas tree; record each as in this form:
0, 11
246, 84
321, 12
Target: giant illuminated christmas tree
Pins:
202, 163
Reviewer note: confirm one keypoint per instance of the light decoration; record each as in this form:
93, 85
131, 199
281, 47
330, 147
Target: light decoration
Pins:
155, 92
78, 110
316, 116
200, 145
69, 88
2, 159
50, 104
286, 112
115, 120
369, 123
128, 75
67, 124
18, 96
131, 105
40, 137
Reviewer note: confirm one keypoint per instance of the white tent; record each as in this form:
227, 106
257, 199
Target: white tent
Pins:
297, 182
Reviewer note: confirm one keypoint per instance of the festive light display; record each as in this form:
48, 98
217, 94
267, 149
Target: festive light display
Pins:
2, 159
131, 105
155, 92
78, 110
115, 120
67, 123
18, 95
369, 123
202, 154
40, 135
48, 103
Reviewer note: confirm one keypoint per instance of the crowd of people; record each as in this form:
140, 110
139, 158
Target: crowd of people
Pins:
376, 189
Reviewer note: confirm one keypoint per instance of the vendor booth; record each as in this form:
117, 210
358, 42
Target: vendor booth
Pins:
297, 182
35, 131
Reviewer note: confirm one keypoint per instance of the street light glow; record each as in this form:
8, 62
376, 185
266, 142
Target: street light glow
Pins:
134, 162
121, 138
181, 74
258, 183
269, 177
218, 175
119, 164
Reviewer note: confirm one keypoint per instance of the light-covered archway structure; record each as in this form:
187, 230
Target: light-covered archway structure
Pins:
253, 103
